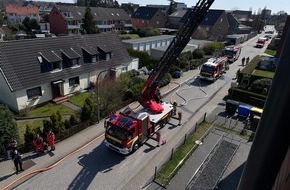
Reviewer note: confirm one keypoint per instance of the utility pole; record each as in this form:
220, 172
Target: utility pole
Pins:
98, 102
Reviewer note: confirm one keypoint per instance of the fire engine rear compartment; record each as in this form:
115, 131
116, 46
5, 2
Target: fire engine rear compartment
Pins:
155, 120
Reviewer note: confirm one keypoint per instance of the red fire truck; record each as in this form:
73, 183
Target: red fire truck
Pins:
213, 68
128, 130
232, 52
261, 42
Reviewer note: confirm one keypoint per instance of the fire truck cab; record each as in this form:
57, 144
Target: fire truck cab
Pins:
261, 42
232, 52
213, 68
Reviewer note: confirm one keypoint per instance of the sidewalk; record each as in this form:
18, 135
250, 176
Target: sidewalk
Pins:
31, 162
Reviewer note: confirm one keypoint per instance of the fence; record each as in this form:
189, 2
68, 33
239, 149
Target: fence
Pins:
235, 124
164, 180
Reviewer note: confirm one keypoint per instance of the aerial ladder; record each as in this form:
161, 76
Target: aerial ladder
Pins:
150, 95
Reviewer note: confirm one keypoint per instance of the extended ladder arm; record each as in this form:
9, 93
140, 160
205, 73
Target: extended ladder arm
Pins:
150, 89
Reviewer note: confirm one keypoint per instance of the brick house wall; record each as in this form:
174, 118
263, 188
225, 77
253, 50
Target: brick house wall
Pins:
158, 20
220, 28
140, 23
57, 22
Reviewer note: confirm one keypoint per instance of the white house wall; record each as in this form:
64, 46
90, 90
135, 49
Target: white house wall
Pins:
84, 83
22, 100
7, 97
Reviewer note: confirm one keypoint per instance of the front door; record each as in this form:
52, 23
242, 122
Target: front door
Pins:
57, 89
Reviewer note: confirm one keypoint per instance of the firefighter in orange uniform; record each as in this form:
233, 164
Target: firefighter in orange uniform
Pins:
38, 143
50, 139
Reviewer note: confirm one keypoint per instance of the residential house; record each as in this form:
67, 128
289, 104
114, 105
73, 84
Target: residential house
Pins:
214, 26
174, 19
67, 19
36, 71
244, 17
164, 8
236, 26
148, 17
17, 13
130, 8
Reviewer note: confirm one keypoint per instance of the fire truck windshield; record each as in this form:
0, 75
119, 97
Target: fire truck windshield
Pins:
208, 69
117, 132
229, 52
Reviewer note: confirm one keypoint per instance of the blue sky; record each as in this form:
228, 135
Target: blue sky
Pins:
274, 5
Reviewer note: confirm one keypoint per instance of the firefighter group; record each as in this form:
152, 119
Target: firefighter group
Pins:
42, 145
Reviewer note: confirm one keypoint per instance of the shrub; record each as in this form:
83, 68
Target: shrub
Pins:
8, 128
198, 54
261, 86
57, 123
88, 110
47, 125
73, 120
212, 48
29, 136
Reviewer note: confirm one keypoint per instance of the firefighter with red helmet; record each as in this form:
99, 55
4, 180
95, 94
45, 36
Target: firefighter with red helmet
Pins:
50, 137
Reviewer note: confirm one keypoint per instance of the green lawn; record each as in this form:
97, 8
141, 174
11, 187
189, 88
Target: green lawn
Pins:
79, 99
265, 74
48, 110
22, 128
270, 52
129, 36
179, 157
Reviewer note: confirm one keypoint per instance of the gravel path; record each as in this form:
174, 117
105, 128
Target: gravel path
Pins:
213, 167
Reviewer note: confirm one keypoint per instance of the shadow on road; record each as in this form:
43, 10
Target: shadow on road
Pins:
100, 160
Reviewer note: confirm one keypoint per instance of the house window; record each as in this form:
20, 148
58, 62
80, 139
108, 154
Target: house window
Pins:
108, 56
34, 93
75, 62
74, 81
56, 66
95, 58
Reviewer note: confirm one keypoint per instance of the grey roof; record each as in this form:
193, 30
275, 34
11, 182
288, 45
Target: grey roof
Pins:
192, 44
178, 14
90, 50
21, 67
145, 13
148, 39
210, 19
99, 13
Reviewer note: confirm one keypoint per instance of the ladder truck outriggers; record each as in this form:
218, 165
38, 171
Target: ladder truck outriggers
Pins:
128, 130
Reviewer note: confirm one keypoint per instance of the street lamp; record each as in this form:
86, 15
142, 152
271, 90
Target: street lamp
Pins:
98, 104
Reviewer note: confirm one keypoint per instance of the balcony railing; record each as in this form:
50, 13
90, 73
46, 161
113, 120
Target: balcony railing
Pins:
73, 26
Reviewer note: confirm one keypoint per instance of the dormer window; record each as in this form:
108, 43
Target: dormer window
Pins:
95, 58
108, 56
56, 66
91, 55
70, 58
75, 62
50, 61
105, 52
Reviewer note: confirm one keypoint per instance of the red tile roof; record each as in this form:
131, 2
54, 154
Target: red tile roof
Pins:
21, 10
